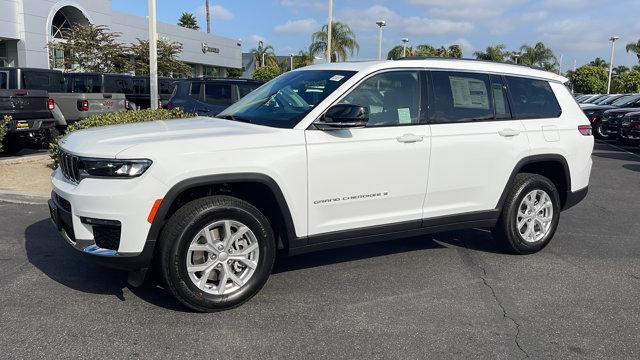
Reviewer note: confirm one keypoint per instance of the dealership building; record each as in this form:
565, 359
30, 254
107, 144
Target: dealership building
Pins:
27, 26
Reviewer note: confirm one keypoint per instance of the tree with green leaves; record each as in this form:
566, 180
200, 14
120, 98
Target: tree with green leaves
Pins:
495, 53
627, 82
304, 58
599, 62
343, 42
620, 69
425, 50
265, 52
234, 73
266, 73
454, 51
189, 21
589, 79
634, 48
168, 63
93, 48
538, 55
397, 52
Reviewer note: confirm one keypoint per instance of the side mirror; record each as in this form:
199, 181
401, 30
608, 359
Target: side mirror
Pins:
344, 116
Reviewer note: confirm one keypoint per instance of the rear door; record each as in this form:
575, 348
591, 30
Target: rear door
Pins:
475, 143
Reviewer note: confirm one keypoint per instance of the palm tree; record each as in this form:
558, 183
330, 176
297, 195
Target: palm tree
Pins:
187, 20
599, 62
425, 50
455, 51
264, 52
492, 53
537, 55
397, 52
304, 58
343, 41
634, 48
620, 69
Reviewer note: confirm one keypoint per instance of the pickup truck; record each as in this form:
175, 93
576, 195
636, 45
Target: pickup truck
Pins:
76, 95
30, 111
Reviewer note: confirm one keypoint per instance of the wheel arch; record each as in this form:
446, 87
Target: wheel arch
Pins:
553, 166
201, 186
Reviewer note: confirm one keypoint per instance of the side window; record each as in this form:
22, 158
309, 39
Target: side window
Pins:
393, 98
4, 80
532, 99
138, 86
500, 98
245, 89
217, 94
461, 97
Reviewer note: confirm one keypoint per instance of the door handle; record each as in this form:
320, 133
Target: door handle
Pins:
409, 138
509, 132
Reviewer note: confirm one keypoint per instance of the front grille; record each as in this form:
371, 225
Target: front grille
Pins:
106, 236
69, 165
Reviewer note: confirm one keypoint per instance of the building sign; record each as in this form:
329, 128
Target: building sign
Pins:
209, 49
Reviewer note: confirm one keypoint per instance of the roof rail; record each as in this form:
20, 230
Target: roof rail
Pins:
466, 59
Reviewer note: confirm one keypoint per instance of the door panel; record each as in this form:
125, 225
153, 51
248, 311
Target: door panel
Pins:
366, 177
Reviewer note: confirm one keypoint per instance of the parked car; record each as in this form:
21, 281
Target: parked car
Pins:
140, 95
610, 99
383, 150
93, 94
596, 113
30, 110
630, 128
611, 120
209, 96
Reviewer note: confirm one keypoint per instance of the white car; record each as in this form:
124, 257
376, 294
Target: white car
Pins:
322, 157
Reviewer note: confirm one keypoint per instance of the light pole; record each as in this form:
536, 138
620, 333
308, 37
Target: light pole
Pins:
329, 35
261, 48
153, 55
404, 46
516, 57
291, 61
381, 24
208, 14
613, 49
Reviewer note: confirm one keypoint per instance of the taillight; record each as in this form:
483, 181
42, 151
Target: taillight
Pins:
126, 104
585, 130
83, 105
51, 104
159, 104
169, 106
21, 92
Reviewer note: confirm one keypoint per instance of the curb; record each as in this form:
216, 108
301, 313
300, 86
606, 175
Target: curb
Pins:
25, 199
24, 159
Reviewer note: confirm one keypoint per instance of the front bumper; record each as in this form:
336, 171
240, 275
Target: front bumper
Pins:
629, 134
126, 202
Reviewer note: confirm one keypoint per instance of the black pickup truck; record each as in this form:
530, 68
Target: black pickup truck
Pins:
32, 123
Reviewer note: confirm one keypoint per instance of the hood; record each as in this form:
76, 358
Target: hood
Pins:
593, 108
621, 111
109, 141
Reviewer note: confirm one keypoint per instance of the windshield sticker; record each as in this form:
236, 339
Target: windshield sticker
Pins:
469, 93
336, 77
404, 116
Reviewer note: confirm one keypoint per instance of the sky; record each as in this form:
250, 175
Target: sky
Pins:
576, 29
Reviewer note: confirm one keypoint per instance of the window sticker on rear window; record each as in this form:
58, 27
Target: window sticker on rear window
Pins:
469, 93
336, 77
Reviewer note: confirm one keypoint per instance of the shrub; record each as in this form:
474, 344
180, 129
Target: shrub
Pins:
266, 73
4, 128
118, 118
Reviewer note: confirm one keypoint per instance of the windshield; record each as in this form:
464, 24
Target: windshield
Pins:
626, 101
287, 99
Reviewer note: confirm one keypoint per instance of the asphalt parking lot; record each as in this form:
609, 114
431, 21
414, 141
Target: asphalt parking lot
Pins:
449, 295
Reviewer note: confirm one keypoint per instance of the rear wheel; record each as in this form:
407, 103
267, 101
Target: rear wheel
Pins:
216, 253
530, 214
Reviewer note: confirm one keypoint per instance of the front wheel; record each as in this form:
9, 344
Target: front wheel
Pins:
216, 253
598, 131
530, 214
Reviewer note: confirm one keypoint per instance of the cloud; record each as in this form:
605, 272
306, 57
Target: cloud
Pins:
218, 12
466, 9
421, 26
303, 26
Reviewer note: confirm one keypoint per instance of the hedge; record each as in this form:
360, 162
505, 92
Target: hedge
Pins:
119, 118
4, 128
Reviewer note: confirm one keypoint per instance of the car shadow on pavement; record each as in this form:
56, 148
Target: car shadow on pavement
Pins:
632, 167
50, 254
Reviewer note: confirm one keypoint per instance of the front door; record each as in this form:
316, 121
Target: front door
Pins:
376, 175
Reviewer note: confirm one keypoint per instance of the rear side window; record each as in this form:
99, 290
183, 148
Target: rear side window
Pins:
166, 86
217, 94
139, 86
118, 84
195, 90
4, 80
461, 97
84, 84
36, 80
532, 99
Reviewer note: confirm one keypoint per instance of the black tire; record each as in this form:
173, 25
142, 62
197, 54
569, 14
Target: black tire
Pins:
506, 229
183, 227
12, 144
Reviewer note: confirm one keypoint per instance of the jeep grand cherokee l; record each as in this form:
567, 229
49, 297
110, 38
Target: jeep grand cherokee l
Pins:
322, 157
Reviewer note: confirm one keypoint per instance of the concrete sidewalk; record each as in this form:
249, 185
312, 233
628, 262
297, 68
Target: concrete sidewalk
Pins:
25, 179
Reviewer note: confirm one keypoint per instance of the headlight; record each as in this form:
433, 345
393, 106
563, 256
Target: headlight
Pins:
112, 168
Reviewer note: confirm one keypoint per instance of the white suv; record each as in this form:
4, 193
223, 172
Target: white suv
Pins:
322, 157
